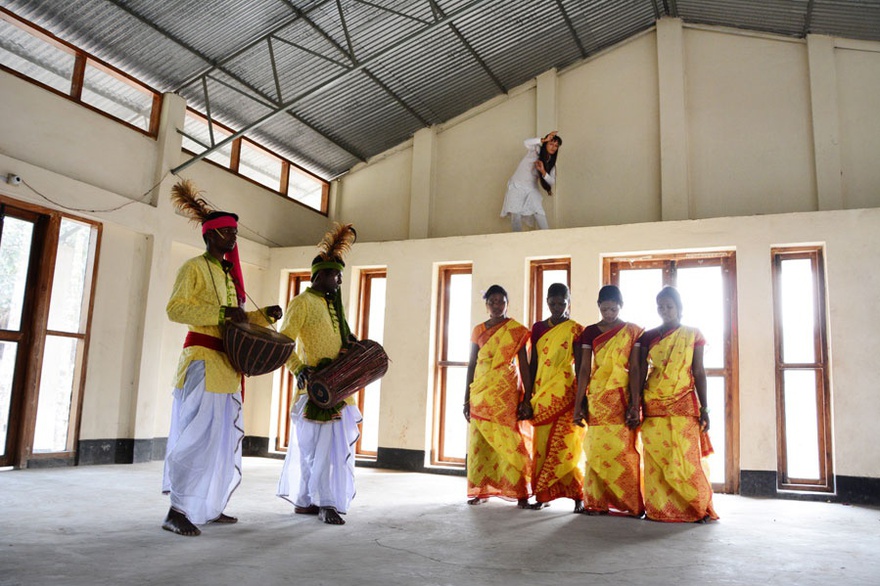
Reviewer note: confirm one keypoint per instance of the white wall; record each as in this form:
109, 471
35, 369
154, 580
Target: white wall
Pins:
753, 128
749, 123
852, 248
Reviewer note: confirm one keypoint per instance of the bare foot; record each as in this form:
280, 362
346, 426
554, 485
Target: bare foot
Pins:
538, 506
176, 522
226, 519
476, 501
579, 507
309, 510
522, 504
330, 516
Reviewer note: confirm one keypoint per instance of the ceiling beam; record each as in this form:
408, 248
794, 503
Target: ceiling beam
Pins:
571, 29
447, 19
439, 11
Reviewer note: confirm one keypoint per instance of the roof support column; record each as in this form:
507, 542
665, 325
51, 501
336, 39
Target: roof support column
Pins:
546, 121
674, 185
826, 128
422, 183
149, 385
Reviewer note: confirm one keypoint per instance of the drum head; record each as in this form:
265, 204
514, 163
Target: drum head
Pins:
260, 332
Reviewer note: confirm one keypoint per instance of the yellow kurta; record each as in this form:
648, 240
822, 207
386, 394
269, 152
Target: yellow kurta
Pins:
498, 462
311, 321
613, 478
559, 455
676, 485
200, 291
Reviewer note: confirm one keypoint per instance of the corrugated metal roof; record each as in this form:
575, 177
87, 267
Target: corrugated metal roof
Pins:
347, 79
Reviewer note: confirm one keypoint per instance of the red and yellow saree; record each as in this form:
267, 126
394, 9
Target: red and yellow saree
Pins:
498, 462
676, 484
559, 453
613, 483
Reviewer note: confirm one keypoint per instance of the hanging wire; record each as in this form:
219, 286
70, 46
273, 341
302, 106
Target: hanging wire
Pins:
140, 199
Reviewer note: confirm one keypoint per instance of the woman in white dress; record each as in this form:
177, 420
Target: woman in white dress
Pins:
537, 168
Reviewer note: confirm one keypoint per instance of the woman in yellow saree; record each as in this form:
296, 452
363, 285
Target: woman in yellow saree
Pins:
676, 419
549, 403
609, 350
499, 443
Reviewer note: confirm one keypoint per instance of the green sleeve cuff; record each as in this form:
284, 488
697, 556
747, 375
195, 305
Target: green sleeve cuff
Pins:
222, 315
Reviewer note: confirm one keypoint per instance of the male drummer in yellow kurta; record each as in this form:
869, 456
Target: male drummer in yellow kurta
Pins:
203, 456
320, 457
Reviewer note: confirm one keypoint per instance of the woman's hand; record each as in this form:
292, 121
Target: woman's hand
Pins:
274, 312
539, 167
633, 420
549, 136
704, 419
524, 410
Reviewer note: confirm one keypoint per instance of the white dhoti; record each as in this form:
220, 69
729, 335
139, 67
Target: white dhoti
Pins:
203, 456
320, 459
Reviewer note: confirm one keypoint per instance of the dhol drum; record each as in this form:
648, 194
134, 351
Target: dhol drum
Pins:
364, 362
254, 350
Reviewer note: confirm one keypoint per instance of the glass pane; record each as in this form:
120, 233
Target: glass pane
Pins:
375, 331
458, 322
550, 277
798, 319
118, 97
69, 296
717, 431
454, 425
260, 166
305, 189
8, 352
801, 424
59, 373
370, 425
198, 129
639, 289
15, 254
35, 58
702, 294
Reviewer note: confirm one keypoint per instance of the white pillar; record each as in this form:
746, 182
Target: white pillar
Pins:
674, 186
422, 183
826, 129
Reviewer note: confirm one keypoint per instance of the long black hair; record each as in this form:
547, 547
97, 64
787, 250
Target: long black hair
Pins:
549, 161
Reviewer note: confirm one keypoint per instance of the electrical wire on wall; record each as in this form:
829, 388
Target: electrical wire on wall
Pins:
141, 199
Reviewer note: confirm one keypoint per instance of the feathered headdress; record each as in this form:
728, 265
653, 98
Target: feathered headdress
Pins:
337, 242
186, 197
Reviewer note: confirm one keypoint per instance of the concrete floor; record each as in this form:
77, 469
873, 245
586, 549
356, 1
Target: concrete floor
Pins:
100, 525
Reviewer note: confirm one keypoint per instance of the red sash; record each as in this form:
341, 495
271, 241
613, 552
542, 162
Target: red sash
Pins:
210, 342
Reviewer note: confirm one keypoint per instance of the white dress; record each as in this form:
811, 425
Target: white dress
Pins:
523, 189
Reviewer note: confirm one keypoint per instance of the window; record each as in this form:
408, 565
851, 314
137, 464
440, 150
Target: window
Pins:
544, 273
802, 389
371, 325
453, 352
47, 267
707, 283
297, 282
36, 54
260, 165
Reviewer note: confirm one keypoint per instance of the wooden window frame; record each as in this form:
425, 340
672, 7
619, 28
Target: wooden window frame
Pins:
288, 382
670, 263
365, 292
821, 367
444, 274
43, 259
536, 282
287, 167
83, 59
